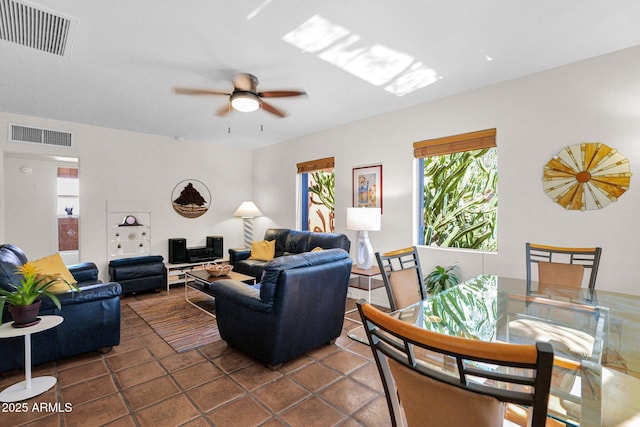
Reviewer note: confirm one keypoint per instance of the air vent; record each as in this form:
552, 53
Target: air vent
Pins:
34, 27
22, 134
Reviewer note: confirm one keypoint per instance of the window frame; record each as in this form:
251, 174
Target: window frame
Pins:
304, 169
469, 141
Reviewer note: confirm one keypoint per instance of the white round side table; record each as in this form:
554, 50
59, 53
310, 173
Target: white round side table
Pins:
30, 387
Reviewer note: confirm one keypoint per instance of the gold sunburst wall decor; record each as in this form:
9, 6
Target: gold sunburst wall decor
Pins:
586, 176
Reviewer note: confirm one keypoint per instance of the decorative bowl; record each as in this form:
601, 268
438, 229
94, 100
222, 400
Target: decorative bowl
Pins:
218, 269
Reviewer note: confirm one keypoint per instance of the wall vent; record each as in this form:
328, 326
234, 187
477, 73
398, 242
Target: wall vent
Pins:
22, 134
37, 28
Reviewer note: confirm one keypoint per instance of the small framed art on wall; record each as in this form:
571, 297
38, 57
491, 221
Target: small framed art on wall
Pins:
367, 186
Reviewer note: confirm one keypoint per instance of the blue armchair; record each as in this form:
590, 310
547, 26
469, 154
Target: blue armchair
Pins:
298, 306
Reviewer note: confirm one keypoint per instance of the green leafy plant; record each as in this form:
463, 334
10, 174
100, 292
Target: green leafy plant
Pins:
441, 278
32, 286
322, 194
460, 200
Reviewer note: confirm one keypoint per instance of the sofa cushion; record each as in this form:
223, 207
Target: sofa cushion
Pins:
297, 242
263, 250
273, 268
280, 235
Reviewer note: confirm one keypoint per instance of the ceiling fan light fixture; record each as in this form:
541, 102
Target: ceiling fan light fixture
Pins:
245, 101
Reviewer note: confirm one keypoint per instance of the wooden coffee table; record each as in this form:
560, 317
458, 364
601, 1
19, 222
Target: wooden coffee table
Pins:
203, 281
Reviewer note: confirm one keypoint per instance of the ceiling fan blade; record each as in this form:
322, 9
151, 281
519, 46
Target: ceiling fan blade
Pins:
224, 110
281, 93
271, 109
189, 91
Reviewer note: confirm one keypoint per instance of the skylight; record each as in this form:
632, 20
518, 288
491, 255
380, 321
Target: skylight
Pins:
396, 72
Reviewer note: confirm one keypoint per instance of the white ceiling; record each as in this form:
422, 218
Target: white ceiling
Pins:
128, 54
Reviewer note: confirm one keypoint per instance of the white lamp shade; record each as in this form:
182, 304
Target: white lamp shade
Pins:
247, 209
365, 219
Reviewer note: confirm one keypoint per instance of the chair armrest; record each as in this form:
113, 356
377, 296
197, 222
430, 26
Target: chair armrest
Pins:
240, 294
84, 272
238, 254
92, 292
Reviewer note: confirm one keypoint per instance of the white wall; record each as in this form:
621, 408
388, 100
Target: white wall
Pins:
32, 203
124, 166
535, 116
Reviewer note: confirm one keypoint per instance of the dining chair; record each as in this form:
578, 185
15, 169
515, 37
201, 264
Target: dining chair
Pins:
562, 266
402, 277
465, 382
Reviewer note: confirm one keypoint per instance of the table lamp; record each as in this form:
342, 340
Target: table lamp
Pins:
364, 220
247, 211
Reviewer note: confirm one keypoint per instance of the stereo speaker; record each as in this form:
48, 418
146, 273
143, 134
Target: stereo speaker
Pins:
215, 244
178, 251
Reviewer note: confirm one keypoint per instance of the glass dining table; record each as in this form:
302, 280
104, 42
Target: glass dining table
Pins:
595, 335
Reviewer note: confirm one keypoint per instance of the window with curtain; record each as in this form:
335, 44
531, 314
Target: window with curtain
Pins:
317, 195
459, 191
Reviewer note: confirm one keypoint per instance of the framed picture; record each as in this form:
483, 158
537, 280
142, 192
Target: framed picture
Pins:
367, 187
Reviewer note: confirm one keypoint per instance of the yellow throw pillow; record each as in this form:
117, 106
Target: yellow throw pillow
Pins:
263, 250
317, 249
53, 266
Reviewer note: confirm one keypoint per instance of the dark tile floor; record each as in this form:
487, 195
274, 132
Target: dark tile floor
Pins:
144, 382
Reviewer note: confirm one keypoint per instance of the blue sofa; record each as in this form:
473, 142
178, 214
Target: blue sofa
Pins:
298, 306
288, 242
91, 316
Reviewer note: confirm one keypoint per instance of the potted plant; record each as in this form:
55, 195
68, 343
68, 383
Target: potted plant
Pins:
25, 296
440, 279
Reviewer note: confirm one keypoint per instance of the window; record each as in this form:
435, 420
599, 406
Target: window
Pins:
317, 195
458, 191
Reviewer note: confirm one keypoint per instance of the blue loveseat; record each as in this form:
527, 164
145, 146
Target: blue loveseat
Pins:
288, 242
91, 316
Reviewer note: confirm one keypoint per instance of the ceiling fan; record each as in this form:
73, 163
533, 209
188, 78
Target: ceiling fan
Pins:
245, 96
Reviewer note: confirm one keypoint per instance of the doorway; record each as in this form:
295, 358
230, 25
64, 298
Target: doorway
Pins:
34, 204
